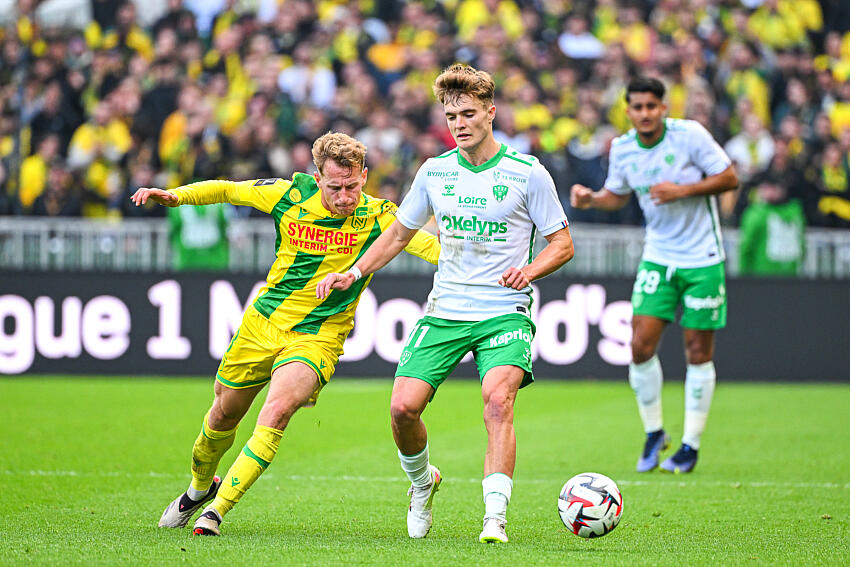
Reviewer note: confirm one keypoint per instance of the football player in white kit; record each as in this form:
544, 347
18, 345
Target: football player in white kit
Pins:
675, 168
488, 201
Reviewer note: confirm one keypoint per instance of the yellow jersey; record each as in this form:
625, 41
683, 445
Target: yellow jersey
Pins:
311, 243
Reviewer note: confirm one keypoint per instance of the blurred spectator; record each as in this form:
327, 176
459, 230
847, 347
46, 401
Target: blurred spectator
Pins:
34, 171
308, 80
58, 198
772, 232
833, 185
96, 149
577, 42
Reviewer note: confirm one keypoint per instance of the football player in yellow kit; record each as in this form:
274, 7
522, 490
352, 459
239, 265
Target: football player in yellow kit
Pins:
288, 338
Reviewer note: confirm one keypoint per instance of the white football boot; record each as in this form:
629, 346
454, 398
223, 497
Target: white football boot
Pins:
182, 508
421, 499
494, 531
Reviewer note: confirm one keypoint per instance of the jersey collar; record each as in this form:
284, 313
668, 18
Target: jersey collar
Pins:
486, 165
661, 139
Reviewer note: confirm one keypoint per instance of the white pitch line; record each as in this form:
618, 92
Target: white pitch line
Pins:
401, 480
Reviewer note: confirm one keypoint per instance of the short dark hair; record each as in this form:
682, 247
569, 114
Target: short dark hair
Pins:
645, 85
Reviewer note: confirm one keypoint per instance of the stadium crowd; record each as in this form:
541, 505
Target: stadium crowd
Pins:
222, 90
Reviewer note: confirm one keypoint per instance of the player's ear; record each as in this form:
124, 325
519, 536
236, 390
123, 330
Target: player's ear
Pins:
317, 177
365, 173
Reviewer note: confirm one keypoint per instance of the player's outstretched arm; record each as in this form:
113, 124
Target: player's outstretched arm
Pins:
558, 252
582, 197
385, 248
141, 196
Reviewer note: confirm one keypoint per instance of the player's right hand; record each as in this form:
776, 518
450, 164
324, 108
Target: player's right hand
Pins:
334, 281
581, 197
166, 198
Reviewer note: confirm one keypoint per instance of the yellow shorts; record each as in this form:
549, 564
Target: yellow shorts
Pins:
258, 348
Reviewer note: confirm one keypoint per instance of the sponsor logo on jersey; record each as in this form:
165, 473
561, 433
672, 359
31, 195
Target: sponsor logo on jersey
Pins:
670, 158
261, 182
509, 337
474, 228
515, 178
472, 202
652, 172
448, 190
700, 303
443, 174
404, 358
317, 239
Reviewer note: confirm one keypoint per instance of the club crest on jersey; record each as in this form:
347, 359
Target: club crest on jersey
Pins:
669, 158
295, 195
500, 192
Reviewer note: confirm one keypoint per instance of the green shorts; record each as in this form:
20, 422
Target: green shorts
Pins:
436, 346
659, 290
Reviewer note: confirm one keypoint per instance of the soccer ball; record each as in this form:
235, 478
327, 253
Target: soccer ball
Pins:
590, 505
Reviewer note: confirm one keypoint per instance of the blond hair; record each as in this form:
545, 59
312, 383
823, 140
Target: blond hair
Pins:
341, 148
459, 80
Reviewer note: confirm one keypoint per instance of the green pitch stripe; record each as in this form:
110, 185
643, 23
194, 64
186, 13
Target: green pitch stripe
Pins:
304, 266
338, 301
249, 453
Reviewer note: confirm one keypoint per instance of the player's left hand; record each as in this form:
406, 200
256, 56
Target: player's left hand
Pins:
666, 192
514, 278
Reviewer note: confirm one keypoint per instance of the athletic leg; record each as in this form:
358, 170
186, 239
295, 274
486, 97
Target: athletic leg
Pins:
409, 398
646, 379
292, 385
218, 431
498, 390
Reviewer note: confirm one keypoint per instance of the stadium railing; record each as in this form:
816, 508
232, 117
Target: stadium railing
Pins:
28, 243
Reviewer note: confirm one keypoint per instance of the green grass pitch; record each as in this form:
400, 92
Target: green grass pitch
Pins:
88, 464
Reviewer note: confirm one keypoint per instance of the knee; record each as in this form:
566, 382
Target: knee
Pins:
698, 351
498, 408
220, 419
642, 350
403, 411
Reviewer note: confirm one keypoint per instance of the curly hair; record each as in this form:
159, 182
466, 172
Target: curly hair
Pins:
341, 148
459, 80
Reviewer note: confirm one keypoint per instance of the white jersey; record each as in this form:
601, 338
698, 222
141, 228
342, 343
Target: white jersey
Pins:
487, 216
683, 233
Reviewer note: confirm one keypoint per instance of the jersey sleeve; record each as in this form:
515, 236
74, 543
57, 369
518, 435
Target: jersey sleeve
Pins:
423, 244
262, 194
416, 208
544, 207
705, 152
616, 181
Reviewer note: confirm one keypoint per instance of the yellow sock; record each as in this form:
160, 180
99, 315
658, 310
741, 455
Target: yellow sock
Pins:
249, 465
210, 447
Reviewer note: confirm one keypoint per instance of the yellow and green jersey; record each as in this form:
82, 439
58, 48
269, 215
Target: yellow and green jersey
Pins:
311, 243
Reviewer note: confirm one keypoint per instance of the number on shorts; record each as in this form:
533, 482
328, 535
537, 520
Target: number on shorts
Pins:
647, 281
423, 330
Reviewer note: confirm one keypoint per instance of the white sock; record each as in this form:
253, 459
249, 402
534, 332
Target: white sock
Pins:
645, 379
497, 495
699, 389
196, 494
416, 467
